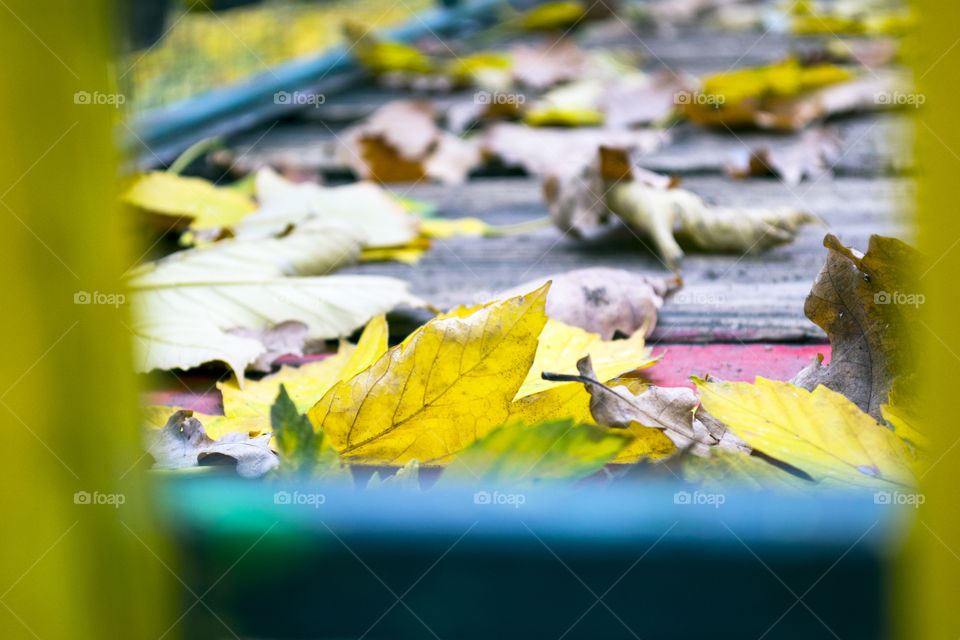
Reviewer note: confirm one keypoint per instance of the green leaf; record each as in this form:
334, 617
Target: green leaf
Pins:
725, 467
518, 454
302, 450
407, 478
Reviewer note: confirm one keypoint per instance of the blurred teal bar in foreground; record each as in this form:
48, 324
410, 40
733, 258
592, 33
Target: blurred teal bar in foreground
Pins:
633, 561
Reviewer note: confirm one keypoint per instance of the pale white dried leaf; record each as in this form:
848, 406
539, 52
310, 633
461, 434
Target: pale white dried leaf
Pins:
184, 443
378, 218
660, 213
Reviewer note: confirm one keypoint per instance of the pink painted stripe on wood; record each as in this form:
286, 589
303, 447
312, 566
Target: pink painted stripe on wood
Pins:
733, 362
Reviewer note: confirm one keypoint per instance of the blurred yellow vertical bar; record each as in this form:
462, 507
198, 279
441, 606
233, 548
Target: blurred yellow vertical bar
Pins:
931, 580
76, 563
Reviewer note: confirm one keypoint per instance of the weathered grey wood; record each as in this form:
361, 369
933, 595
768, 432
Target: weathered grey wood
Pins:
702, 50
876, 143
725, 297
869, 144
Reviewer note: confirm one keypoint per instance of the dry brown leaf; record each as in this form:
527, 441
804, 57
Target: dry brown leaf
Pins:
631, 104
401, 142
602, 300
184, 443
548, 151
866, 303
673, 410
869, 52
809, 156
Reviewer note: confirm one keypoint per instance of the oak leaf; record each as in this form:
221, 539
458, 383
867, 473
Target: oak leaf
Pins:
868, 305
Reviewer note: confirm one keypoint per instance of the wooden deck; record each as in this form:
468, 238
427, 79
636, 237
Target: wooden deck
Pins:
729, 303
726, 298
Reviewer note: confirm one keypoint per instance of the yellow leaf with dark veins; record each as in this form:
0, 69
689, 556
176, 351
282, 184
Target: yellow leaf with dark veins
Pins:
447, 385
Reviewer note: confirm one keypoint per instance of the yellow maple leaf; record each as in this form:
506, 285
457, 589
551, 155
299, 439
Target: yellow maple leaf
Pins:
552, 16
647, 444
307, 382
785, 78
560, 347
203, 204
820, 432
905, 414
448, 384
248, 409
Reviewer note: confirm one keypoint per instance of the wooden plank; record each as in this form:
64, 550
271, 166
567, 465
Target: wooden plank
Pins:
725, 297
869, 144
876, 143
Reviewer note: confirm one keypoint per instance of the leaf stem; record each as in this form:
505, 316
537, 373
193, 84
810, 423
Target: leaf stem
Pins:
520, 227
193, 152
